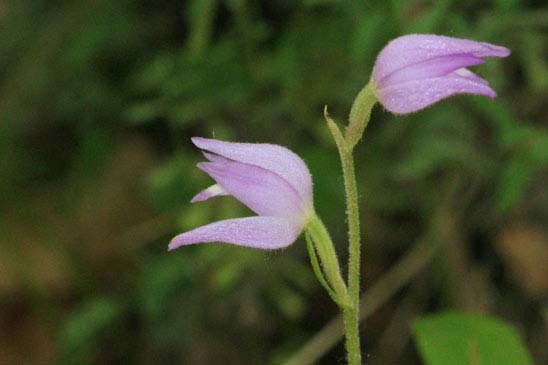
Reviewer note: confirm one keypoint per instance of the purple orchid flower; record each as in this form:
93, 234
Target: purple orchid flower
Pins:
415, 71
269, 179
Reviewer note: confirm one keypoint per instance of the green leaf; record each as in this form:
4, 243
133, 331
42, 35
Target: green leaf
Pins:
455, 338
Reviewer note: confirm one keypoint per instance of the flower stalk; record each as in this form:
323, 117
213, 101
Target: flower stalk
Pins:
359, 118
351, 319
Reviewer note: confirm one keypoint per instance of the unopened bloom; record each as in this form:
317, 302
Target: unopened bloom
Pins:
269, 179
415, 71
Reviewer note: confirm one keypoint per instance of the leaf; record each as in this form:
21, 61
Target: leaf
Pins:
455, 338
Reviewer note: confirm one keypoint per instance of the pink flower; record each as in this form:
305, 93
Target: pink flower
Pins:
415, 71
269, 179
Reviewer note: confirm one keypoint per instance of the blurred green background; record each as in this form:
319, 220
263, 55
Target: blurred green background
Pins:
99, 99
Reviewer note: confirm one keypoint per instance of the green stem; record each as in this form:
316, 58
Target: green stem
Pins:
351, 320
358, 120
351, 312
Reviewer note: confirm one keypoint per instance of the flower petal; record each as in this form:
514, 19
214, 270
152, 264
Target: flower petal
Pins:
435, 67
262, 191
412, 96
411, 49
257, 232
270, 157
211, 192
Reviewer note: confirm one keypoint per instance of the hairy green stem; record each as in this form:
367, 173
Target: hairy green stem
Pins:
358, 120
351, 320
350, 312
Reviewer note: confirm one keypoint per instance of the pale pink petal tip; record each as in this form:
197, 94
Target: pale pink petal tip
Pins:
497, 51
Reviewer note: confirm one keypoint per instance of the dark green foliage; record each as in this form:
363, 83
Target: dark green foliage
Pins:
99, 99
